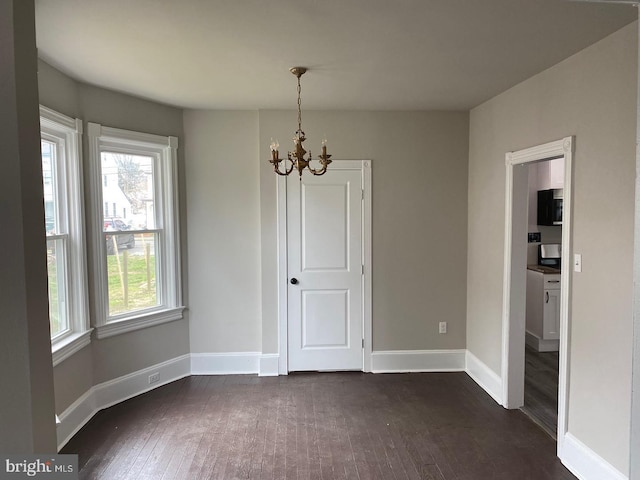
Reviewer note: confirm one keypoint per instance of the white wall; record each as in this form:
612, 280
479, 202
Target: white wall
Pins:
591, 95
224, 230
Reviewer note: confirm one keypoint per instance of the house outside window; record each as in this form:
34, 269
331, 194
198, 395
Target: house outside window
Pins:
64, 229
136, 242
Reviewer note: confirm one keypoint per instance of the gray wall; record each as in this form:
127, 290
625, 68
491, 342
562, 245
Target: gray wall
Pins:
634, 469
224, 231
110, 358
27, 421
591, 95
419, 185
419, 223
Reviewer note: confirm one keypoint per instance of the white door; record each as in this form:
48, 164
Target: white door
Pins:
324, 235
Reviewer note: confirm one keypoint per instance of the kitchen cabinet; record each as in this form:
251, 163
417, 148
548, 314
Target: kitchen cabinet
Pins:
550, 203
551, 174
543, 310
551, 314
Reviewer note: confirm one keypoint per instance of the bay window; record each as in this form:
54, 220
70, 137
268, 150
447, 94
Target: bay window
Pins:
135, 229
64, 228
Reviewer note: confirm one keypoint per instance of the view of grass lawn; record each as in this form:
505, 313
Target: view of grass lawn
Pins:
132, 282
54, 302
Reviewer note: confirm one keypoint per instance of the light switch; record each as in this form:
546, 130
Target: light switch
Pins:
577, 262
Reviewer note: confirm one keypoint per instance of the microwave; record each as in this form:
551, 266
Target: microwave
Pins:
550, 207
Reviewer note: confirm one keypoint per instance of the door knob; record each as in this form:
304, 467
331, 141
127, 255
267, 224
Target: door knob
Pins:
294, 281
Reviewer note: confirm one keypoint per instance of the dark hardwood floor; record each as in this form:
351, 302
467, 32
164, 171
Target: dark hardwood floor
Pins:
316, 426
541, 389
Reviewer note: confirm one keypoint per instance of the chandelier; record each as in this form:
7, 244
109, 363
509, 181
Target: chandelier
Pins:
297, 157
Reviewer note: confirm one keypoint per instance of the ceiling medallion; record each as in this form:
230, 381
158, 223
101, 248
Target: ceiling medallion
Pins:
297, 157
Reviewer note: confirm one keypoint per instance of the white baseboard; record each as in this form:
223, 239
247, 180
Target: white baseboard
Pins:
115, 391
400, 361
75, 417
489, 380
269, 365
541, 345
586, 464
225, 363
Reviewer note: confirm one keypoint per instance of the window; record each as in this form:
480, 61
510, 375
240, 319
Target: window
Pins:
66, 264
135, 231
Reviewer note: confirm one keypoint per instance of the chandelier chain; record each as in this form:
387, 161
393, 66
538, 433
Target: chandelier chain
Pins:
299, 107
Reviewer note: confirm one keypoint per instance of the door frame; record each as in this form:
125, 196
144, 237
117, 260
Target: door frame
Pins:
364, 166
513, 305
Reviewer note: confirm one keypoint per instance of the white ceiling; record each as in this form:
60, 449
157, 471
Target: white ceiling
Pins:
362, 54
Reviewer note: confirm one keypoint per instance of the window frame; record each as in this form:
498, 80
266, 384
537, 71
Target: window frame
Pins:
66, 133
169, 278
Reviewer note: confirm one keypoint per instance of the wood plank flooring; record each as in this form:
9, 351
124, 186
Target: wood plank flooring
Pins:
436, 426
541, 388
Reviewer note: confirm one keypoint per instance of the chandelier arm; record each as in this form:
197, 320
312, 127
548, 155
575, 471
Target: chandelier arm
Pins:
320, 171
276, 167
325, 160
317, 172
290, 169
287, 171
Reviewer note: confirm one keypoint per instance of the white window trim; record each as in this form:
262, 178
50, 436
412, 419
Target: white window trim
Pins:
172, 308
79, 334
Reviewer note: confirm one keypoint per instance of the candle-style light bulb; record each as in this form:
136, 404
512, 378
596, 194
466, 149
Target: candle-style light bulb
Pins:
324, 145
274, 145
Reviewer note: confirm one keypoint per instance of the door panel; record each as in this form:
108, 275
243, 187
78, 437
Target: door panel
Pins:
324, 235
325, 319
325, 208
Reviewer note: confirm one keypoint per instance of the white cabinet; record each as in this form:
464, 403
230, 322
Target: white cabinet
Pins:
551, 315
551, 174
543, 310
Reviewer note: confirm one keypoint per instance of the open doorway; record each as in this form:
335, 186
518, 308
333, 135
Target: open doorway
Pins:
515, 275
544, 273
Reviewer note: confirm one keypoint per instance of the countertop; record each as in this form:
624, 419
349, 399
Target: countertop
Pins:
543, 269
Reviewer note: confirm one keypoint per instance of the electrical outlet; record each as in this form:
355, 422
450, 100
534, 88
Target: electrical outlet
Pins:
154, 377
443, 327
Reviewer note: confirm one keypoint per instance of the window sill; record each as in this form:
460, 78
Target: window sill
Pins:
69, 345
137, 323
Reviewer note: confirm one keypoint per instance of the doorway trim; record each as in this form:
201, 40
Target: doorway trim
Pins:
282, 259
512, 323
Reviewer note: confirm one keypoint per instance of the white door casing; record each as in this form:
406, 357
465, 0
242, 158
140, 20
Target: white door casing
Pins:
513, 287
324, 243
